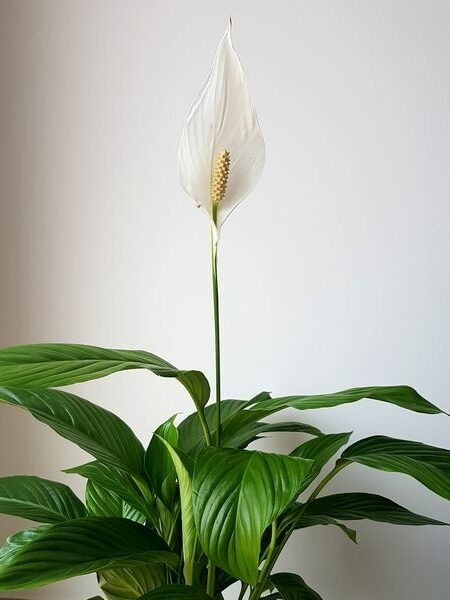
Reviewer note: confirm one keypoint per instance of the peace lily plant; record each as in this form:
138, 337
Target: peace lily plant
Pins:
194, 511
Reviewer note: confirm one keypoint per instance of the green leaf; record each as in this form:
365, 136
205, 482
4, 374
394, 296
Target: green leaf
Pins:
297, 517
55, 552
131, 583
158, 462
94, 429
120, 483
237, 494
176, 592
190, 431
39, 499
54, 365
400, 395
96, 598
357, 505
101, 502
184, 469
320, 449
427, 464
250, 432
293, 587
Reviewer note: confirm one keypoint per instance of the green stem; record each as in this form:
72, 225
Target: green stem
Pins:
244, 588
204, 424
215, 288
326, 479
211, 581
268, 564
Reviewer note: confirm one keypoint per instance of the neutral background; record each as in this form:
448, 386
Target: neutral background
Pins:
334, 273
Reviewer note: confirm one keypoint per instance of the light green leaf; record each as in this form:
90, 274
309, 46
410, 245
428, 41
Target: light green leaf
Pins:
237, 494
400, 395
94, 429
176, 592
131, 583
358, 505
158, 462
55, 552
120, 483
183, 467
39, 499
427, 464
55, 365
293, 587
320, 449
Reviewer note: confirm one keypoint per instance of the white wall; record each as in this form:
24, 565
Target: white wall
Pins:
334, 273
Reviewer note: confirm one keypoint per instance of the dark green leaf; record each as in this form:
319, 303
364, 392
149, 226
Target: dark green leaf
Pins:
320, 449
176, 592
237, 494
95, 429
131, 583
159, 464
54, 552
39, 499
120, 483
54, 365
427, 464
358, 505
297, 517
400, 395
293, 587
190, 431
101, 502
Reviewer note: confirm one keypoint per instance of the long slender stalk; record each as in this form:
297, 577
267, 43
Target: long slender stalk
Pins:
215, 289
268, 564
326, 479
211, 582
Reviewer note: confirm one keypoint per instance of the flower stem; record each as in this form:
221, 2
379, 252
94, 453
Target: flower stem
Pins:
215, 288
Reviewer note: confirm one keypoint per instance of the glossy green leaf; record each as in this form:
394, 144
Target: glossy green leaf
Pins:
358, 505
320, 449
176, 592
252, 431
131, 583
293, 587
94, 429
184, 468
237, 494
400, 395
296, 516
55, 365
427, 464
120, 483
190, 431
159, 464
101, 502
55, 552
39, 499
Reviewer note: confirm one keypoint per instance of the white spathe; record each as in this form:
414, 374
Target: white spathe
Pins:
222, 117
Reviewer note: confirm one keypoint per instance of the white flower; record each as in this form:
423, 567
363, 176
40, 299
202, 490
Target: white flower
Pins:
221, 153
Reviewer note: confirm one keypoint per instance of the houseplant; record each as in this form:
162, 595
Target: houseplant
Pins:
195, 510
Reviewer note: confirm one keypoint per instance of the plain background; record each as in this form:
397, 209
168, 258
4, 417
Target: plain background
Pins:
334, 273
